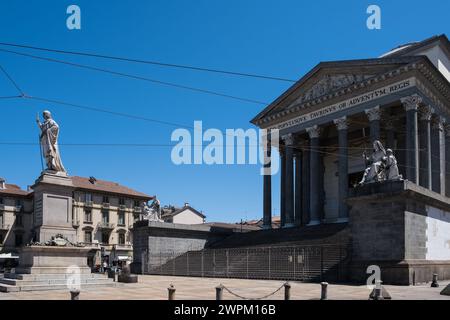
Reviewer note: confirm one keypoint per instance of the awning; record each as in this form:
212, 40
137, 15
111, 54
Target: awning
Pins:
8, 256
122, 258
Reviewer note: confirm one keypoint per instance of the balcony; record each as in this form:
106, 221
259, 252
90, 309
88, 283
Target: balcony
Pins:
105, 205
89, 204
4, 226
123, 247
105, 225
137, 209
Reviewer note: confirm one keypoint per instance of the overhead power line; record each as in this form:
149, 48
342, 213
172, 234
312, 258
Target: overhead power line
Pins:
157, 63
171, 84
12, 81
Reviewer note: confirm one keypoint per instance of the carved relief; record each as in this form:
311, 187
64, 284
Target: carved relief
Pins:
331, 83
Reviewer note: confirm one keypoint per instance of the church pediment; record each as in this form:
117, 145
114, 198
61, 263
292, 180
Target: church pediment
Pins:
330, 83
331, 77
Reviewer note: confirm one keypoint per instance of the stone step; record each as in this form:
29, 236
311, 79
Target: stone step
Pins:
20, 283
52, 276
49, 270
44, 287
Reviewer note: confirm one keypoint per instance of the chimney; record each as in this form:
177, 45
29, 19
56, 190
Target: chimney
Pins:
2, 183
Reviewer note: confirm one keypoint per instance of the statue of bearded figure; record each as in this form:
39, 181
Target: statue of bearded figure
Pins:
49, 143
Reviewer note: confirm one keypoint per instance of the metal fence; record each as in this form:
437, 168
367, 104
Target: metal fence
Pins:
301, 263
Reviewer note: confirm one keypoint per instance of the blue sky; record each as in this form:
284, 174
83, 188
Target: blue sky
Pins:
278, 38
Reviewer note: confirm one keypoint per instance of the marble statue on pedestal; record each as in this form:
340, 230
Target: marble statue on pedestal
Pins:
153, 212
380, 165
49, 143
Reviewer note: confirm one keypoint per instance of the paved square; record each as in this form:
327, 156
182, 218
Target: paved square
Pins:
155, 287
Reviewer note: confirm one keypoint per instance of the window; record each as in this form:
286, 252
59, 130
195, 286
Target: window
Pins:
137, 203
105, 199
88, 197
88, 236
121, 218
1, 200
1, 238
87, 215
121, 238
136, 217
121, 201
105, 216
105, 238
18, 239
19, 220
19, 202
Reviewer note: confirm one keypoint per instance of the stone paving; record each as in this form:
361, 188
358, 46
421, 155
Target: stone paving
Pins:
155, 287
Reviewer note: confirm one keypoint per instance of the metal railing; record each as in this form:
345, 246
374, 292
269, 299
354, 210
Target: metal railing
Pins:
300, 263
105, 225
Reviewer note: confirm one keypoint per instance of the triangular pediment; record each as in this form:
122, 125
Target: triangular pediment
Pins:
330, 77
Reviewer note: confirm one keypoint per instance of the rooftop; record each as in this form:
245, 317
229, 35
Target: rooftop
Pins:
106, 186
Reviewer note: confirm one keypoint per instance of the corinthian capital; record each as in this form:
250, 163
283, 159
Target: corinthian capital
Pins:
314, 131
374, 113
438, 123
288, 139
341, 123
425, 113
411, 102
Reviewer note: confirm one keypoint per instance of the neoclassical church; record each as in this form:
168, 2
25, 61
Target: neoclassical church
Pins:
330, 117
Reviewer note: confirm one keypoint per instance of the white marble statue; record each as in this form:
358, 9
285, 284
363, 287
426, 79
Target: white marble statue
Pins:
152, 212
392, 172
49, 143
375, 169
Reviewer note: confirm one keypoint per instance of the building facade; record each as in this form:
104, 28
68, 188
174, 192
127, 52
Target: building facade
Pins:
102, 215
328, 118
183, 215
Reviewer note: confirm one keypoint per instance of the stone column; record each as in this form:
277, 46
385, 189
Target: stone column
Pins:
314, 164
282, 184
267, 188
342, 126
390, 134
437, 155
298, 187
447, 160
411, 104
306, 185
289, 180
374, 115
425, 147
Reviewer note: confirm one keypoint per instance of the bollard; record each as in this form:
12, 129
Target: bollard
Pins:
171, 291
287, 291
219, 292
324, 293
74, 294
378, 295
434, 283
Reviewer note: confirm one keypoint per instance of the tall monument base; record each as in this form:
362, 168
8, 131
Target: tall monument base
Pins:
53, 268
403, 229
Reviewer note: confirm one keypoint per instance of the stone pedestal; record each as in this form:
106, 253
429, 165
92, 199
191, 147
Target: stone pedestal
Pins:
402, 228
53, 207
52, 259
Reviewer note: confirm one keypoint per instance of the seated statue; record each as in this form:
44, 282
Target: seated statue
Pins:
391, 168
375, 169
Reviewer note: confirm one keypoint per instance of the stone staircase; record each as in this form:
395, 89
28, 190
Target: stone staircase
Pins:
13, 282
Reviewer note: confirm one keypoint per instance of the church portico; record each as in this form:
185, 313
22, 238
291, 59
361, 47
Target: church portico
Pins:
349, 124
